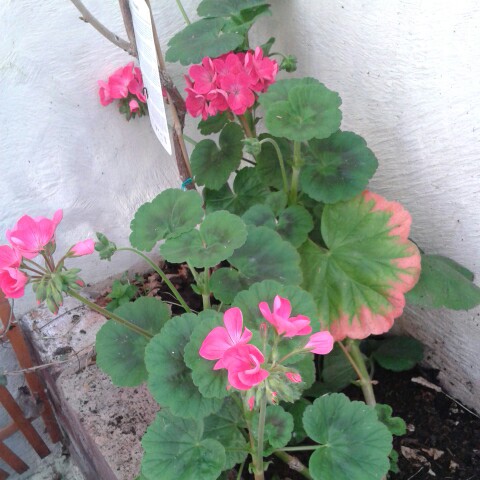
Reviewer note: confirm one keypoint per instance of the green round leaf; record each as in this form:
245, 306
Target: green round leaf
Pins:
355, 444
248, 190
399, 353
338, 167
176, 450
444, 283
296, 410
395, 425
171, 213
120, 351
301, 301
260, 216
359, 279
226, 427
211, 165
225, 283
213, 124
226, 8
211, 383
266, 256
294, 224
278, 428
309, 110
169, 379
278, 92
220, 234
277, 201
203, 38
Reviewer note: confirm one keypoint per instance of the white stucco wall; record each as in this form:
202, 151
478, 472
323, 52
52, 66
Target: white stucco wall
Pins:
407, 72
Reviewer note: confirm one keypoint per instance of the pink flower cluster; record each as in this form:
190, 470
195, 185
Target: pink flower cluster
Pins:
229, 345
243, 361
29, 237
231, 81
124, 83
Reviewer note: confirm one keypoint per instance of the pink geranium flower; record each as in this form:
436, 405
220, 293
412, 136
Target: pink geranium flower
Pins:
280, 318
30, 235
262, 70
12, 282
86, 247
221, 339
104, 92
320, 343
240, 96
243, 363
120, 80
204, 76
9, 257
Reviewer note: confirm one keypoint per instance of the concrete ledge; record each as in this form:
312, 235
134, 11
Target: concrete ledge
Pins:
104, 423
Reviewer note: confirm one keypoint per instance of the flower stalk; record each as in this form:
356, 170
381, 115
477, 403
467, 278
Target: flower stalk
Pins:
297, 164
110, 315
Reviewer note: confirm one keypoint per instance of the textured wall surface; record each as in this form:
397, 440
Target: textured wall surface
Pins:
407, 72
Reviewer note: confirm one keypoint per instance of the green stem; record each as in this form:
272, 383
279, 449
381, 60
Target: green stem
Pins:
280, 161
206, 294
291, 354
185, 137
35, 264
362, 371
162, 275
246, 126
48, 261
294, 463
297, 159
261, 431
111, 315
301, 448
183, 12
25, 267
189, 139
240, 470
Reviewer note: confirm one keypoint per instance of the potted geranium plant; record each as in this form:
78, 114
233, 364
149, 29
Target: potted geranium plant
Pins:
291, 257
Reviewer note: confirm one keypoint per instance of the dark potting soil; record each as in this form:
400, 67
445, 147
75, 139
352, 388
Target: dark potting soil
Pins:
442, 440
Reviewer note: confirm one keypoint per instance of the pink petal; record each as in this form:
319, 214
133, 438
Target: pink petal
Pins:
320, 343
282, 307
233, 320
12, 282
86, 247
216, 343
9, 257
265, 311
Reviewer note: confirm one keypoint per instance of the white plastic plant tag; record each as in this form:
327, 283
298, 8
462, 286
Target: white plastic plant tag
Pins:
147, 57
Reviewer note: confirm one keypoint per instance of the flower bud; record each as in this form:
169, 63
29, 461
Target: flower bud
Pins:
105, 247
252, 146
289, 63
